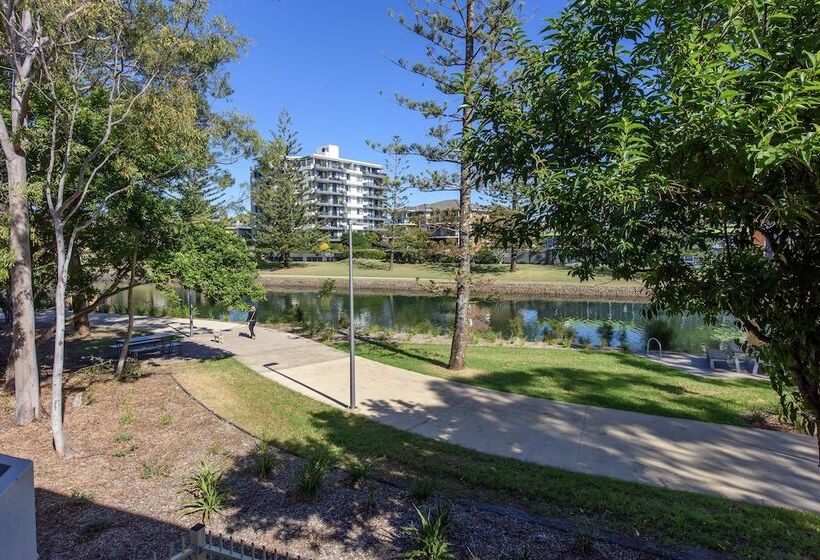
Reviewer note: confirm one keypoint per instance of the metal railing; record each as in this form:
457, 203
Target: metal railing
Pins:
660, 350
200, 544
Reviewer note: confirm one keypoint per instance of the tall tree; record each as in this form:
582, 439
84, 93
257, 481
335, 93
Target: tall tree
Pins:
661, 128
283, 199
396, 187
136, 73
465, 48
24, 41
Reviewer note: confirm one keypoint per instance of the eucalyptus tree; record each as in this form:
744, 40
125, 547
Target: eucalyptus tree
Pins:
656, 130
135, 72
284, 201
466, 46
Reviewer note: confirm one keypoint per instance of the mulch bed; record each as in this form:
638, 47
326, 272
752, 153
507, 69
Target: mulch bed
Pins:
108, 501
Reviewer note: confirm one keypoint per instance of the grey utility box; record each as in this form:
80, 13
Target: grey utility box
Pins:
18, 534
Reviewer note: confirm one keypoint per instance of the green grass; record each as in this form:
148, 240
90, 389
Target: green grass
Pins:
498, 273
301, 425
593, 377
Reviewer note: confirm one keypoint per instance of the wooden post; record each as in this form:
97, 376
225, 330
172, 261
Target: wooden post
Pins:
198, 541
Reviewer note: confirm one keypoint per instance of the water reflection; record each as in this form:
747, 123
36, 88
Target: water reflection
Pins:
421, 313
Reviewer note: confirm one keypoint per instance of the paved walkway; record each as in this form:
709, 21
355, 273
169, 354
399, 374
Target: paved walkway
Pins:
747, 464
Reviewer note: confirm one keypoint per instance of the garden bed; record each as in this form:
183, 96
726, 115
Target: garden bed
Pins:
137, 442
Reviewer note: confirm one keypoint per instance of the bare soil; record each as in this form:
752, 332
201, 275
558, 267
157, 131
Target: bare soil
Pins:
136, 443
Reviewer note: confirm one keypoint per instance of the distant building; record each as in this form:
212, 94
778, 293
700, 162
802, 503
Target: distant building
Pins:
341, 189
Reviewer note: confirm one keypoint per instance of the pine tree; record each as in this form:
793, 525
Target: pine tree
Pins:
284, 201
466, 48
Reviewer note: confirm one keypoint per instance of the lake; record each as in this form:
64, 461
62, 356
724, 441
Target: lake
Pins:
434, 314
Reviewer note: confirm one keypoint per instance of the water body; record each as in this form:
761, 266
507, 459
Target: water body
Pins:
434, 314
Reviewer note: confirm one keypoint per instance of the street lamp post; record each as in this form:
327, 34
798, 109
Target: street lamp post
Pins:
190, 314
351, 328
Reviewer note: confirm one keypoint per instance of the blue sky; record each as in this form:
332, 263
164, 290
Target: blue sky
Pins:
330, 64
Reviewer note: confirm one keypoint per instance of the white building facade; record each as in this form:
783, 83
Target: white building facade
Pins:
341, 189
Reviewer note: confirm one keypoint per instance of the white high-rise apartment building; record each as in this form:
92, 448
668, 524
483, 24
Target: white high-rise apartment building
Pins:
342, 189
345, 188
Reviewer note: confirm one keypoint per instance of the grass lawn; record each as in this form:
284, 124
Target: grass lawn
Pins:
299, 424
606, 379
499, 273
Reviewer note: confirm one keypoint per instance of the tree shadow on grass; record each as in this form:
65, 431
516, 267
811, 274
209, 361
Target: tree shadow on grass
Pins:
391, 347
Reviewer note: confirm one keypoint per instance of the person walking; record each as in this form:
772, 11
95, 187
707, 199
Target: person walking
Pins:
251, 320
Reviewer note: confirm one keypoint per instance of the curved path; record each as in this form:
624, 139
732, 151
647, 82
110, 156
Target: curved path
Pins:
766, 467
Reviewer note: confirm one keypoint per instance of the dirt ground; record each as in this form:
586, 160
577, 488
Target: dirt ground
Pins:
136, 443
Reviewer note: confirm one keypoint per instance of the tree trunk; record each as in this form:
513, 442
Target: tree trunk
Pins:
390, 266
513, 246
458, 349
23, 355
58, 434
130, 330
513, 258
79, 300
286, 260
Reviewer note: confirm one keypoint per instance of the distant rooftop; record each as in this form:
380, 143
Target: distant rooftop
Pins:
451, 204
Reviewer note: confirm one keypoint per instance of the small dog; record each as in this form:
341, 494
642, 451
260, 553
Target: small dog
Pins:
218, 337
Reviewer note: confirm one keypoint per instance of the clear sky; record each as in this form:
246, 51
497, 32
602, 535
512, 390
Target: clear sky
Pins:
330, 64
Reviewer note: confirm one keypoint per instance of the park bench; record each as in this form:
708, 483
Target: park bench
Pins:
161, 343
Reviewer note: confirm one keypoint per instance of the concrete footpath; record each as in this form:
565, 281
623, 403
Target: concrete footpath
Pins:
759, 466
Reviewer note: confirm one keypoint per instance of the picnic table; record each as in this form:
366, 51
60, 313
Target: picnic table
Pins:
164, 343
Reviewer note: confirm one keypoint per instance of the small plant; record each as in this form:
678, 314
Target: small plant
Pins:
298, 314
516, 326
127, 417
757, 417
214, 448
155, 469
584, 541
208, 495
80, 497
623, 343
585, 342
131, 370
125, 451
605, 331
327, 289
359, 472
312, 477
430, 538
421, 490
661, 330
89, 393
567, 335
165, 420
122, 437
264, 461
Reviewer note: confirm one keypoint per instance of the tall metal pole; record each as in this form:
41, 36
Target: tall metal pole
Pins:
351, 328
190, 315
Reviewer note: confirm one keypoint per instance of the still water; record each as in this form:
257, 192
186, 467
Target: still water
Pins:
434, 314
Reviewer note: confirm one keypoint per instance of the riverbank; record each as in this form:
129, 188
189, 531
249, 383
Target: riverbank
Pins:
609, 291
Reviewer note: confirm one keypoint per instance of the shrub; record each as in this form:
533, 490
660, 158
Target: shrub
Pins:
367, 254
206, 488
127, 417
623, 344
154, 469
165, 420
516, 326
430, 538
263, 459
421, 490
585, 342
488, 255
661, 330
312, 477
567, 335
327, 289
605, 331
359, 472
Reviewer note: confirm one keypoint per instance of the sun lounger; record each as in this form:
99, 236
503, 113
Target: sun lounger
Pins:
714, 355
